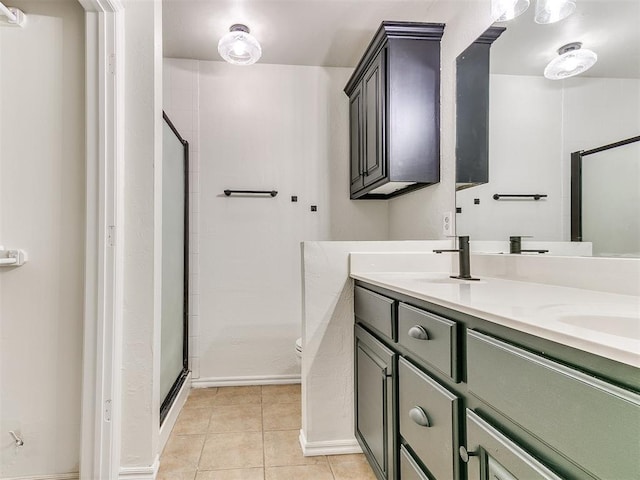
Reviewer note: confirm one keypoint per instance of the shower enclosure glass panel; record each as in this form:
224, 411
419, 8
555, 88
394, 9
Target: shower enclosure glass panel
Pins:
173, 355
610, 199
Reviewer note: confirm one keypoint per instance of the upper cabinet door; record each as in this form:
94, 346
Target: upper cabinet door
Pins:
374, 96
356, 138
394, 109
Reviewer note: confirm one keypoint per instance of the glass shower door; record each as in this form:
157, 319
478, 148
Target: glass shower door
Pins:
173, 354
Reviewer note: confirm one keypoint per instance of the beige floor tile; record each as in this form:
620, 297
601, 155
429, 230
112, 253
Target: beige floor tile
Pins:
201, 398
355, 457
192, 421
232, 450
163, 475
242, 474
238, 395
236, 418
283, 448
355, 470
281, 416
181, 454
305, 472
281, 393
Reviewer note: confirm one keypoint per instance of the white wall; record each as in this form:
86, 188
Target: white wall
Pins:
142, 233
327, 341
264, 127
535, 124
42, 205
268, 127
417, 215
525, 145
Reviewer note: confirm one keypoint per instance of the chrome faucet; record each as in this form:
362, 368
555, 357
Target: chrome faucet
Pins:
515, 246
463, 257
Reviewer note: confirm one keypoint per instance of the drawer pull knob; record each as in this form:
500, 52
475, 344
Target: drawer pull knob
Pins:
418, 332
417, 415
465, 454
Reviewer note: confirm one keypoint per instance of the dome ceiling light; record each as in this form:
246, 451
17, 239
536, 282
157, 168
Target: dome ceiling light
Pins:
573, 60
551, 11
503, 10
239, 47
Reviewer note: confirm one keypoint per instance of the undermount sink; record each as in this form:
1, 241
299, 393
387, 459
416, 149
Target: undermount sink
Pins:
612, 319
619, 326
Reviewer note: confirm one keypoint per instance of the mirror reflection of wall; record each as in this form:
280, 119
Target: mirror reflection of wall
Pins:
536, 123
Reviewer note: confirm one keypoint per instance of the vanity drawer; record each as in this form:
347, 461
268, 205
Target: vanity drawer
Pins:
427, 413
430, 337
409, 469
593, 423
374, 310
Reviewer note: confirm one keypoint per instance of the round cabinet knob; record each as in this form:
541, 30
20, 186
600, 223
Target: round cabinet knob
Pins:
418, 332
465, 454
418, 415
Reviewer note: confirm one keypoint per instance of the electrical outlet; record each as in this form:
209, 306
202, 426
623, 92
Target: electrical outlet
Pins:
447, 224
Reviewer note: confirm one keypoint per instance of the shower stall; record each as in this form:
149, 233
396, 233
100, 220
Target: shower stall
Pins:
605, 198
175, 254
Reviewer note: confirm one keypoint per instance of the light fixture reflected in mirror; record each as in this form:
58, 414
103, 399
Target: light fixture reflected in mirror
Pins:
573, 60
239, 47
503, 10
551, 11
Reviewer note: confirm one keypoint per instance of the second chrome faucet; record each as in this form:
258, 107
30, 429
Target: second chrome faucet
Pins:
463, 257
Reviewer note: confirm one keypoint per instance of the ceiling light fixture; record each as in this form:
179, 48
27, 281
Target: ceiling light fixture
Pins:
573, 60
503, 10
239, 47
551, 11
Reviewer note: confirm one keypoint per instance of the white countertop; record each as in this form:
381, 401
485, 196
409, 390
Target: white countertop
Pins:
605, 324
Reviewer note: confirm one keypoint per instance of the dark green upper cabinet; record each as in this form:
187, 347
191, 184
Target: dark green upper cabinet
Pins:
472, 111
394, 111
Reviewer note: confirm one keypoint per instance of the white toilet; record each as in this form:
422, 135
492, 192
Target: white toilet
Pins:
299, 351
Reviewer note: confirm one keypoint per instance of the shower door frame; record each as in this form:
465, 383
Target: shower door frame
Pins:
167, 403
576, 183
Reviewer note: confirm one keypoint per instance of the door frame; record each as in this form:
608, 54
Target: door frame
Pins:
102, 349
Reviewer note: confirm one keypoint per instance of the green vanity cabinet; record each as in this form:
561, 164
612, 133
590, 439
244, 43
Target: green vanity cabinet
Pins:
375, 404
590, 421
471, 399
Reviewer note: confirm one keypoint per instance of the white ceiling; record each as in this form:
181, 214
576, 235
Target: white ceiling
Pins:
336, 32
331, 33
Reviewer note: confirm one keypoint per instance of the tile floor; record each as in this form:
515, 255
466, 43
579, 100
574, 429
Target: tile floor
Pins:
248, 433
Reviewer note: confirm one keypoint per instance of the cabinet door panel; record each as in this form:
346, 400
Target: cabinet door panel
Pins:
355, 139
374, 111
374, 402
499, 456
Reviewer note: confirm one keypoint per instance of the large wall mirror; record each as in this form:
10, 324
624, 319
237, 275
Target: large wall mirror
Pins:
534, 124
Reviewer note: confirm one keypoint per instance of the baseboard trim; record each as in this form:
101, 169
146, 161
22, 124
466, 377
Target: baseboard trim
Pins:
57, 476
140, 473
330, 447
207, 382
172, 416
